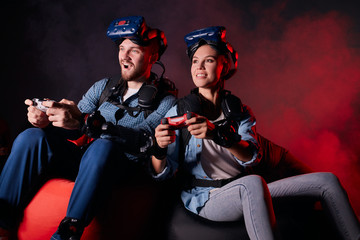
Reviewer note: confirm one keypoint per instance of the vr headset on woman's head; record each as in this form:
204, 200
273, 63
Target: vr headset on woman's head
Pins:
214, 36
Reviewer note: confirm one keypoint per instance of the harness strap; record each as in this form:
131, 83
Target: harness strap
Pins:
195, 182
109, 88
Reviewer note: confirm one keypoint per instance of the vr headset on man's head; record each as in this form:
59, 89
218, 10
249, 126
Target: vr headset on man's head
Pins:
135, 29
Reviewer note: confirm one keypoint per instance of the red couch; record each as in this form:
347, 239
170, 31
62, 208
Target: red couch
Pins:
138, 210
47, 209
124, 217
149, 212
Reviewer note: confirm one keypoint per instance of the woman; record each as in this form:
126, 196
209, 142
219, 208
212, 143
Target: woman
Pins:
223, 156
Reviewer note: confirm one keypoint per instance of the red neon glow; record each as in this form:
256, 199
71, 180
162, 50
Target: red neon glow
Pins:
302, 80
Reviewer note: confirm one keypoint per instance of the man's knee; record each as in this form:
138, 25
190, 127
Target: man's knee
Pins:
103, 145
29, 137
100, 153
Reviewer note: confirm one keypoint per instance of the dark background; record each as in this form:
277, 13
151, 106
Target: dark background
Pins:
299, 64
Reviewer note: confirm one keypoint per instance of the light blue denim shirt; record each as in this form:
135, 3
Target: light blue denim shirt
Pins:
195, 198
90, 100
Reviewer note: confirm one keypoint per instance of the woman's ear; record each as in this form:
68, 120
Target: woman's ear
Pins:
226, 68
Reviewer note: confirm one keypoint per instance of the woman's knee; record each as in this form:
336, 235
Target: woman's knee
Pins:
252, 180
251, 183
327, 179
254, 190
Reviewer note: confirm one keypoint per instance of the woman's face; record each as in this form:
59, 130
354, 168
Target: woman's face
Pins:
206, 67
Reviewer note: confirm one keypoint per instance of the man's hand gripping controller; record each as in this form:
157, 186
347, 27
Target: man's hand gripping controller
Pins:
38, 103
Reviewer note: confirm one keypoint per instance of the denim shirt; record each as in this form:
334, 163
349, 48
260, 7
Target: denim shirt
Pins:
195, 198
90, 100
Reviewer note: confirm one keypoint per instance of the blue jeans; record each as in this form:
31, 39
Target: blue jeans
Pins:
39, 154
248, 197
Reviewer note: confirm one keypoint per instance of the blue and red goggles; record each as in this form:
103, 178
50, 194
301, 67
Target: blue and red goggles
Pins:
135, 29
215, 36
211, 34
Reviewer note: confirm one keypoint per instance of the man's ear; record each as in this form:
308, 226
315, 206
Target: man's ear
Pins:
154, 57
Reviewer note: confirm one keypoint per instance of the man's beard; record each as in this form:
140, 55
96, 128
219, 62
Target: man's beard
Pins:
132, 75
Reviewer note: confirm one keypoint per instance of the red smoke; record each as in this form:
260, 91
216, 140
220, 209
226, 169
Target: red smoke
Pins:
302, 79
298, 70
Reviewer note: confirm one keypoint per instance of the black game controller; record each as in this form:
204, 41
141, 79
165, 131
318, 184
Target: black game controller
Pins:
38, 103
177, 122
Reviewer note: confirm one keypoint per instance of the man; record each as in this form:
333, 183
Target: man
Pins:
118, 115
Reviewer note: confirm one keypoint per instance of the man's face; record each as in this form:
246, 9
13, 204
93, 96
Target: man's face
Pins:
134, 61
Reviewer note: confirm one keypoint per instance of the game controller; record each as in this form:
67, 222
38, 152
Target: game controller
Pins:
177, 122
38, 103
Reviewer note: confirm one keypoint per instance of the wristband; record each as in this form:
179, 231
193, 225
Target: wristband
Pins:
158, 152
82, 120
